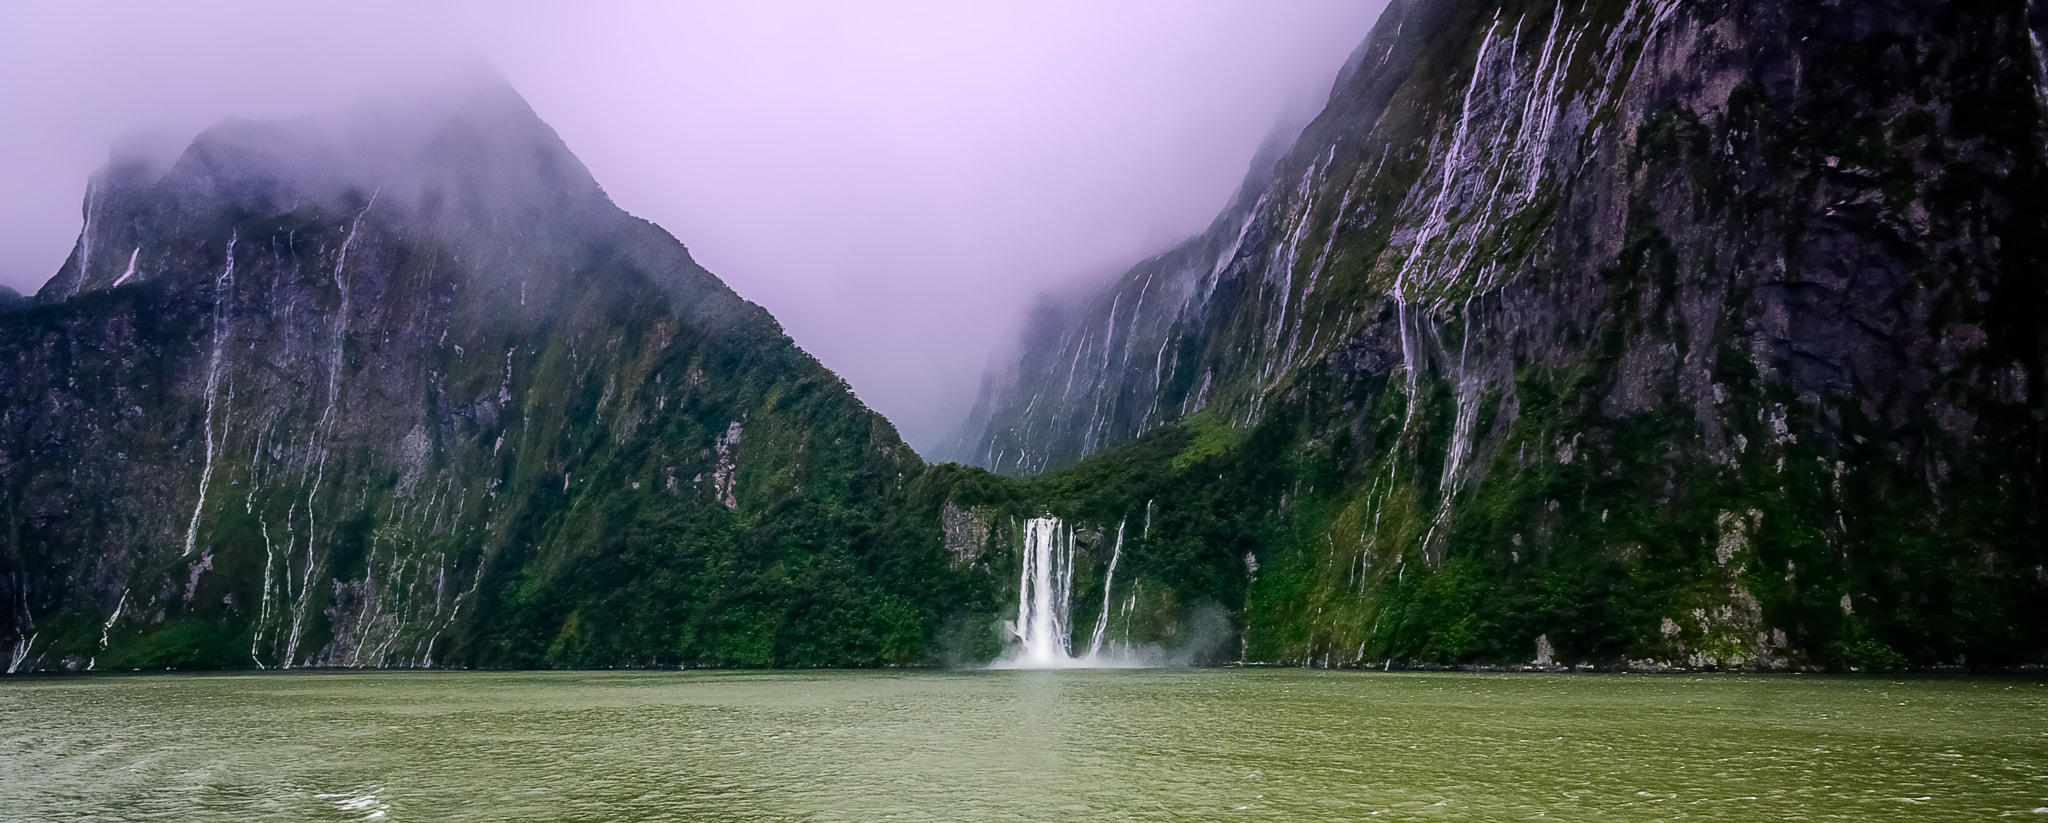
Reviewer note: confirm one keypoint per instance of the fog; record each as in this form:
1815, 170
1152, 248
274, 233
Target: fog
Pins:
896, 181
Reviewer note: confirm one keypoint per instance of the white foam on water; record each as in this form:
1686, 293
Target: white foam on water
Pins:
365, 801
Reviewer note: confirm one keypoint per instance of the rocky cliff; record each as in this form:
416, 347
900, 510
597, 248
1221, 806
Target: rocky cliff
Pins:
1640, 333
402, 387
1687, 332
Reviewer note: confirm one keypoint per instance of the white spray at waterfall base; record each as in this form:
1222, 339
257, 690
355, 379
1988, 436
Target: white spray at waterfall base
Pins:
1044, 627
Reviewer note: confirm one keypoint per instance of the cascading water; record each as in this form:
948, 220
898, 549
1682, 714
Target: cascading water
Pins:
1045, 588
1108, 580
1043, 593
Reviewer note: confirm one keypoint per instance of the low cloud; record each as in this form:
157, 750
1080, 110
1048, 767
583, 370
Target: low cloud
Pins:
896, 181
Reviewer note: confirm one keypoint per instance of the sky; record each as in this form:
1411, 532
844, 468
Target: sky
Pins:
897, 181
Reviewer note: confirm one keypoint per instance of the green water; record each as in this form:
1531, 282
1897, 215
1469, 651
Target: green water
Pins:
1064, 746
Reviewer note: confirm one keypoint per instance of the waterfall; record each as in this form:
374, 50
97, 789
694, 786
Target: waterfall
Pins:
1108, 580
85, 241
1045, 589
1044, 586
221, 314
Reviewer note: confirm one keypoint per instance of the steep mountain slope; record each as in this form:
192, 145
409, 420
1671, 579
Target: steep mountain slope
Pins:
403, 387
1642, 332
1668, 330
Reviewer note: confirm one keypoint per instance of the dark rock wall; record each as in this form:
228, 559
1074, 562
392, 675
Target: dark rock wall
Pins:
425, 397
1687, 331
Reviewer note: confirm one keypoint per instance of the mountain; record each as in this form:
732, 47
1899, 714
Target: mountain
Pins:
1682, 332
1633, 334
402, 387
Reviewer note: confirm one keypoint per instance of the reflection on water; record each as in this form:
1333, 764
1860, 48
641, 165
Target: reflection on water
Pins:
1065, 746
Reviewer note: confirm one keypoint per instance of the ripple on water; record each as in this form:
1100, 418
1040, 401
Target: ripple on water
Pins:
363, 804
1064, 746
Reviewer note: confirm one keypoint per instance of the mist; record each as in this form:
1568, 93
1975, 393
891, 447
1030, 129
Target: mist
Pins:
897, 182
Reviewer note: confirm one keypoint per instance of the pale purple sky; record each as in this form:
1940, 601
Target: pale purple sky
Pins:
896, 180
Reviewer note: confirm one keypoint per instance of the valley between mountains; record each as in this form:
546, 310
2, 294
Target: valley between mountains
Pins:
1644, 334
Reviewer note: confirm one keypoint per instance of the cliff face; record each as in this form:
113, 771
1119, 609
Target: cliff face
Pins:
1641, 332
405, 388
1671, 330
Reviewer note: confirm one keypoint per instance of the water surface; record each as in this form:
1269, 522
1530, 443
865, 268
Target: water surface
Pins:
1066, 746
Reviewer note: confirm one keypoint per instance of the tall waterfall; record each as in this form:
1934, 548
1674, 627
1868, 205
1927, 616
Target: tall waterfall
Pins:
1045, 589
1045, 594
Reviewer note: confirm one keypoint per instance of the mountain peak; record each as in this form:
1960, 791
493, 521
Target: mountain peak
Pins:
470, 129
463, 146
401, 355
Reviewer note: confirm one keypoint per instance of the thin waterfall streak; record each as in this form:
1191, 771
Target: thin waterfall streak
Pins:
226, 280
1223, 261
1435, 223
1159, 373
1109, 332
1284, 263
1108, 580
263, 613
1137, 317
326, 423
107, 629
85, 239
22, 648
1410, 368
1063, 623
130, 271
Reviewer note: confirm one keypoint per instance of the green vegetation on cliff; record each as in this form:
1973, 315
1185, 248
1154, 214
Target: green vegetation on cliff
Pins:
1647, 333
